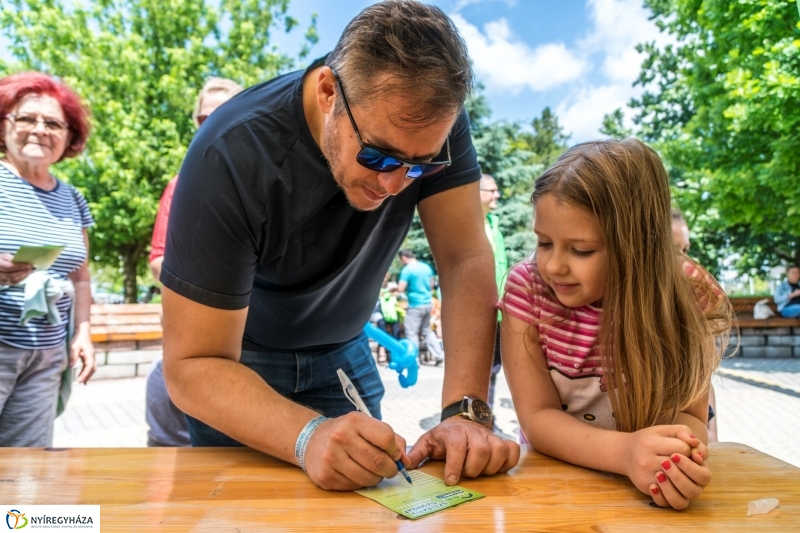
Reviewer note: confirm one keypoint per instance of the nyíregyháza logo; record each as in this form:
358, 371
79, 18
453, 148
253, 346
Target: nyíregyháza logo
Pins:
17, 517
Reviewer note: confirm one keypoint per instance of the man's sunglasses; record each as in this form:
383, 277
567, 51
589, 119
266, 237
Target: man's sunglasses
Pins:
376, 159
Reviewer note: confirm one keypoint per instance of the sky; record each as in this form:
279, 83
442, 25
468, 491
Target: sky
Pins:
576, 56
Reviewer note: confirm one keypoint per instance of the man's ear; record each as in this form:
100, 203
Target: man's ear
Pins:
326, 90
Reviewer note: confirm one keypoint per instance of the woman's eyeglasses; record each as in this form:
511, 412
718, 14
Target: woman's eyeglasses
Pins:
27, 123
376, 159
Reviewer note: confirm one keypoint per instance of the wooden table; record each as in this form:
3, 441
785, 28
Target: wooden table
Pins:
240, 490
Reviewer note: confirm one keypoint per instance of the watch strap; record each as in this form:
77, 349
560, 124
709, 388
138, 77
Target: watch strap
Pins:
454, 409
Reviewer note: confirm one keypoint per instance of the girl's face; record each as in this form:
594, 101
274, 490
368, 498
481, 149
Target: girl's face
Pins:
571, 252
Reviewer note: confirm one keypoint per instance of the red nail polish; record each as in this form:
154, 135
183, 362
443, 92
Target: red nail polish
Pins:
701, 455
676, 458
661, 477
666, 465
654, 490
692, 437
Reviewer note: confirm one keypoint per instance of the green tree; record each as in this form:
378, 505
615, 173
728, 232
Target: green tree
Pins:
613, 125
547, 141
514, 157
723, 108
139, 64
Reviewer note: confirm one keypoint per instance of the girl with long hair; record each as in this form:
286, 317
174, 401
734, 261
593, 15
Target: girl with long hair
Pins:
610, 336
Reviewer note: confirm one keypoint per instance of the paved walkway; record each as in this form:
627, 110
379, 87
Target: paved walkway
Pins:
758, 404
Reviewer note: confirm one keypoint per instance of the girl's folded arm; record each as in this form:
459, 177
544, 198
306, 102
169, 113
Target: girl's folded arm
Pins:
696, 418
546, 426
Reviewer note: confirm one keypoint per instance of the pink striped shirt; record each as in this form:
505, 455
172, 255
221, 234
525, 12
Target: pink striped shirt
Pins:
569, 336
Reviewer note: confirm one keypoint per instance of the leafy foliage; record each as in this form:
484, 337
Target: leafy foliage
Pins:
613, 125
723, 108
514, 157
139, 64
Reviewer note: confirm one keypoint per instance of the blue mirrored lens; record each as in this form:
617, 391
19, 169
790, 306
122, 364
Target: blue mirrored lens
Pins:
375, 160
420, 171
416, 171
380, 162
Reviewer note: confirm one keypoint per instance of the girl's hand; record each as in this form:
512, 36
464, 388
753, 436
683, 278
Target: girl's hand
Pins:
679, 481
699, 451
649, 447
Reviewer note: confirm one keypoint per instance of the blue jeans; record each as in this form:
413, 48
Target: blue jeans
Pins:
310, 379
791, 311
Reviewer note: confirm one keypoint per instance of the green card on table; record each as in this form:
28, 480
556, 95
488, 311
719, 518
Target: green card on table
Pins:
39, 256
426, 495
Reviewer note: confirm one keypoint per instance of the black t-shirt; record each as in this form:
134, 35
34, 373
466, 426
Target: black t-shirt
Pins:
257, 219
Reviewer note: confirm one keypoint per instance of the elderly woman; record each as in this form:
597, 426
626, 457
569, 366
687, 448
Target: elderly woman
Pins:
41, 122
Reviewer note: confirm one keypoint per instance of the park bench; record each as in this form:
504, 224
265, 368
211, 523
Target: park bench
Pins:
126, 337
771, 337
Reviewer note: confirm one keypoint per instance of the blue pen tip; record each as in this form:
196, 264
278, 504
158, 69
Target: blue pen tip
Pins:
402, 469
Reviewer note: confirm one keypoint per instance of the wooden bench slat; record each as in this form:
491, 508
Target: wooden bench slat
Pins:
126, 309
123, 320
126, 336
773, 322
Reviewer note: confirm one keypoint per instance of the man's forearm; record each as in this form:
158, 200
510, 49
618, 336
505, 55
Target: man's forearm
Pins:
469, 319
255, 415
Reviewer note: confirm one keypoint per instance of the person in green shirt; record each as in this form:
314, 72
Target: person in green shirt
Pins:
391, 314
489, 196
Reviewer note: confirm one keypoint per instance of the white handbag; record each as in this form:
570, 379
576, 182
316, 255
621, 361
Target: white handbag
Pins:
762, 310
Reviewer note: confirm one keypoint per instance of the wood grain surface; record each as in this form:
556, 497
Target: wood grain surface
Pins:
240, 490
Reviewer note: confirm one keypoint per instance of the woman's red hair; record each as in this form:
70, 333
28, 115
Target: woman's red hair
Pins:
16, 86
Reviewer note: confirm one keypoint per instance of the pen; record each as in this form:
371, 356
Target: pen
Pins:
352, 394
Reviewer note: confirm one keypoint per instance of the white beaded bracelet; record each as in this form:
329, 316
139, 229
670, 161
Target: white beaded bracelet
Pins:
303, 438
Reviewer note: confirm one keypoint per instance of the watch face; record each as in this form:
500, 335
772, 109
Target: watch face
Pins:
481, 410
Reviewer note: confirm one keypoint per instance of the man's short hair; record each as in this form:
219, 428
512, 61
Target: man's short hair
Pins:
420, 49
405, 252
215, 85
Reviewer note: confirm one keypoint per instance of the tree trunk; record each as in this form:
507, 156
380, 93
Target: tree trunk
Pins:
130, 264
129, 277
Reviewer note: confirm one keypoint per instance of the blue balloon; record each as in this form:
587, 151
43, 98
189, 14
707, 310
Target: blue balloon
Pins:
404, 354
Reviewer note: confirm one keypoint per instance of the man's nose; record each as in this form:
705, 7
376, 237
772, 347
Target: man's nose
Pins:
395, 181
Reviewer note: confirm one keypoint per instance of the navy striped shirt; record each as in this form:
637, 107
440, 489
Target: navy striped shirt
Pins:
35, 217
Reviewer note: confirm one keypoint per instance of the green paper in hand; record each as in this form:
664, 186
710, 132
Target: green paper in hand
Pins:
39, 256
425, 496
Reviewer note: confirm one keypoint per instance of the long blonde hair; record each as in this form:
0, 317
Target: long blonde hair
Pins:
662, 333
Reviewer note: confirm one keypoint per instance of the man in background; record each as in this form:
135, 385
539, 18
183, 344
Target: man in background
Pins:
489, 196
167, 424
680, 231
680, 236
416, 280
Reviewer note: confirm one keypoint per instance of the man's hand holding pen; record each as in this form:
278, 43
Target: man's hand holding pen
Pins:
353, 451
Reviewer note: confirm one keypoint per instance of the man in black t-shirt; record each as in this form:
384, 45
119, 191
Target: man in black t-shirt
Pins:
293, 200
